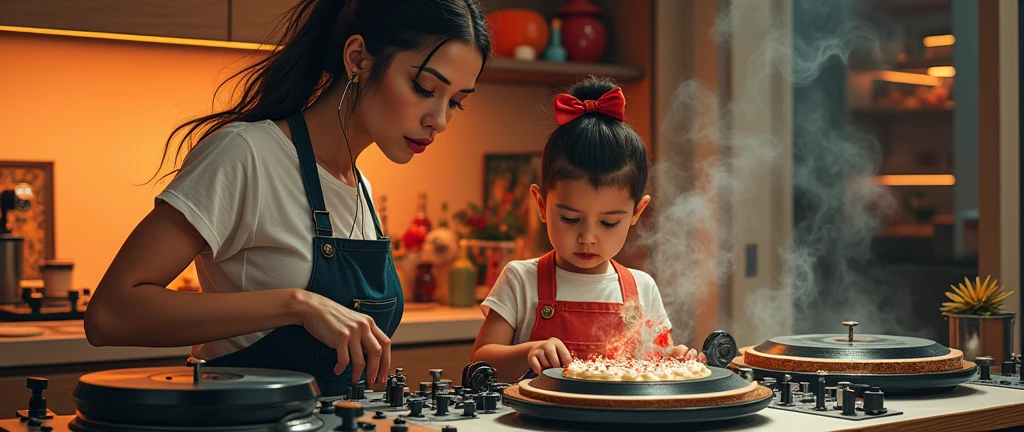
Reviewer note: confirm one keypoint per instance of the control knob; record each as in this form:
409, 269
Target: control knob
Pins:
1009, 367
37, 403
348, 412
985, 365
416, 407
443, 401
356, 391
873, 401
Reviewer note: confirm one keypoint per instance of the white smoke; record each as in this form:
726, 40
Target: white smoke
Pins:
827, 266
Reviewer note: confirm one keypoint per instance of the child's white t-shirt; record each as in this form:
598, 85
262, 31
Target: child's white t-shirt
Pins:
242, 189
514, 295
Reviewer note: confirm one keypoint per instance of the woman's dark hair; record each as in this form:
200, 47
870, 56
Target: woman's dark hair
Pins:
602, 149
311, 57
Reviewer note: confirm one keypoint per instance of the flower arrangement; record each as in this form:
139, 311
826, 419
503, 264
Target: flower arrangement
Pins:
981, 298
499, 222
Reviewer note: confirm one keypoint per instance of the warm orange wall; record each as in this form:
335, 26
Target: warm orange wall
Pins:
101, 111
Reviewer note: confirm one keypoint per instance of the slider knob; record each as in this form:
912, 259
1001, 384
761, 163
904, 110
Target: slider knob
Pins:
874, 401
985, 366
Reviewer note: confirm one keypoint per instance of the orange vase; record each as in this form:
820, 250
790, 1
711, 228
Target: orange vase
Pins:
514, 27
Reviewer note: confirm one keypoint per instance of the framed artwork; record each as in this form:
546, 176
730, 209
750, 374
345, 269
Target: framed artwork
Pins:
35, 224
509, 176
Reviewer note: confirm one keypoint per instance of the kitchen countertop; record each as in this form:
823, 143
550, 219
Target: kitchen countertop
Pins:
968, 407
421, 324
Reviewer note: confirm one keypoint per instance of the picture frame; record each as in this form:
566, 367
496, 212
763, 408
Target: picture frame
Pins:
35, 224
510, 173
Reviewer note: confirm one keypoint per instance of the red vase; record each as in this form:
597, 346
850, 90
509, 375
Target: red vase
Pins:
583, 33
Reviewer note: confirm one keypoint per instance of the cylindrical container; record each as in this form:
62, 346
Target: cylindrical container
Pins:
979, 336
56, 277
11, 252
462, 280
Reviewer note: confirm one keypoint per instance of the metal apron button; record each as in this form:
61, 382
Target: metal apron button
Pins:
328, 250
547, 312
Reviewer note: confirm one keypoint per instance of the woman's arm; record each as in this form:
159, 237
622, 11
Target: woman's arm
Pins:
131, 305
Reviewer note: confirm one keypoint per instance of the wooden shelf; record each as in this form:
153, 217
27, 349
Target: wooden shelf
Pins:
508, 70
901, 111
911, 6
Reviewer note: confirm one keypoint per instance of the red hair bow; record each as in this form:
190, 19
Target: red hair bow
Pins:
568, 107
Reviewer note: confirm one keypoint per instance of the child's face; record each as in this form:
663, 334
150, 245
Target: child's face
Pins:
586, 226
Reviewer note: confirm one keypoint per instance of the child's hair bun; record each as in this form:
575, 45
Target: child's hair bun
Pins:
592, 88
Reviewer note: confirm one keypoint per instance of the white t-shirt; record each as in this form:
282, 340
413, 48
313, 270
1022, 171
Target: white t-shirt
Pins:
514, 295
242, 189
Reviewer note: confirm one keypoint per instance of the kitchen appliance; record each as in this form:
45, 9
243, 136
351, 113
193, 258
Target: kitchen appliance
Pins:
1009, 376
12, 247
722, 395
36, 306
895, 364
846, 400
216, 399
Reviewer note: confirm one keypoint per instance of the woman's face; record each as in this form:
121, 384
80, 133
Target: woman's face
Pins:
411, 106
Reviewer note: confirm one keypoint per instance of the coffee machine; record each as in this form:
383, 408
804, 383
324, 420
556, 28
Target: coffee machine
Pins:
12, 247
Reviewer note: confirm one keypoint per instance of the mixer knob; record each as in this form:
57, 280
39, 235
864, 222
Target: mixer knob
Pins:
349, 412
985, 365
45, 428
449, 429
416, 407
860, 389
367, 426
786, 390
399, 428
874, 401
458, 390
443, 401
849, 402
379, 415
37, 403
1009, 367
469, 408
489, 401
356, 391
36, 303
326, 407
436, 374
425, 386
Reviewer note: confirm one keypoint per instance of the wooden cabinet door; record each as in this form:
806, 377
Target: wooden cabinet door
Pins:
196, 19
257, 20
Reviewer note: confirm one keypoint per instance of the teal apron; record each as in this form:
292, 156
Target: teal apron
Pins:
358, 274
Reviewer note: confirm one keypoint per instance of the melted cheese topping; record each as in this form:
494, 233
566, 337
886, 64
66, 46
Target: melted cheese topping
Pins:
665, 369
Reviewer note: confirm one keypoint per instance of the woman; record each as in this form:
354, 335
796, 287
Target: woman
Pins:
276, 172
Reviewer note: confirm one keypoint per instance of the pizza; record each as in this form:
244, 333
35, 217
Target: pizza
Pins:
600, 368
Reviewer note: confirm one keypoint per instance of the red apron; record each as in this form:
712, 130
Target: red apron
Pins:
587, 328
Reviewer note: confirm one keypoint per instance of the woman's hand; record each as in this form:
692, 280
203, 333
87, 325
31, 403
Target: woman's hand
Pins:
683, 352
548, 354
353, 335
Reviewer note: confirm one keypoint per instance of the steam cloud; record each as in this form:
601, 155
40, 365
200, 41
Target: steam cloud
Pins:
828, 274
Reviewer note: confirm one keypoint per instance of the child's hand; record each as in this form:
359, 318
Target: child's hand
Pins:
548, 354
683, 352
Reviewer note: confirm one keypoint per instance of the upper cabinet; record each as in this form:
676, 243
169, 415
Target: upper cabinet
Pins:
194, 19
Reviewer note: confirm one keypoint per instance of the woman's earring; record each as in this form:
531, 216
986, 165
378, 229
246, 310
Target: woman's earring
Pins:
354, 77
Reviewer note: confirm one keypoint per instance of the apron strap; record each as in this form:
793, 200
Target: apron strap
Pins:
310, 175
369, 203
546, 291
627, 283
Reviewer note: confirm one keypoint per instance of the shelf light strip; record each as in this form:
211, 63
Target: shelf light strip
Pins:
916, 180
140, 38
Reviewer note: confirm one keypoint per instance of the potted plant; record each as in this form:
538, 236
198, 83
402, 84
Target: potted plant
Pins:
977, 324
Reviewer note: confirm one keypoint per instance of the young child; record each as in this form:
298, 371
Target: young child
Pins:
575, 301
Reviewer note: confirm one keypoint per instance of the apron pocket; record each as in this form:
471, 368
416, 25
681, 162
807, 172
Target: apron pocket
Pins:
382, 312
